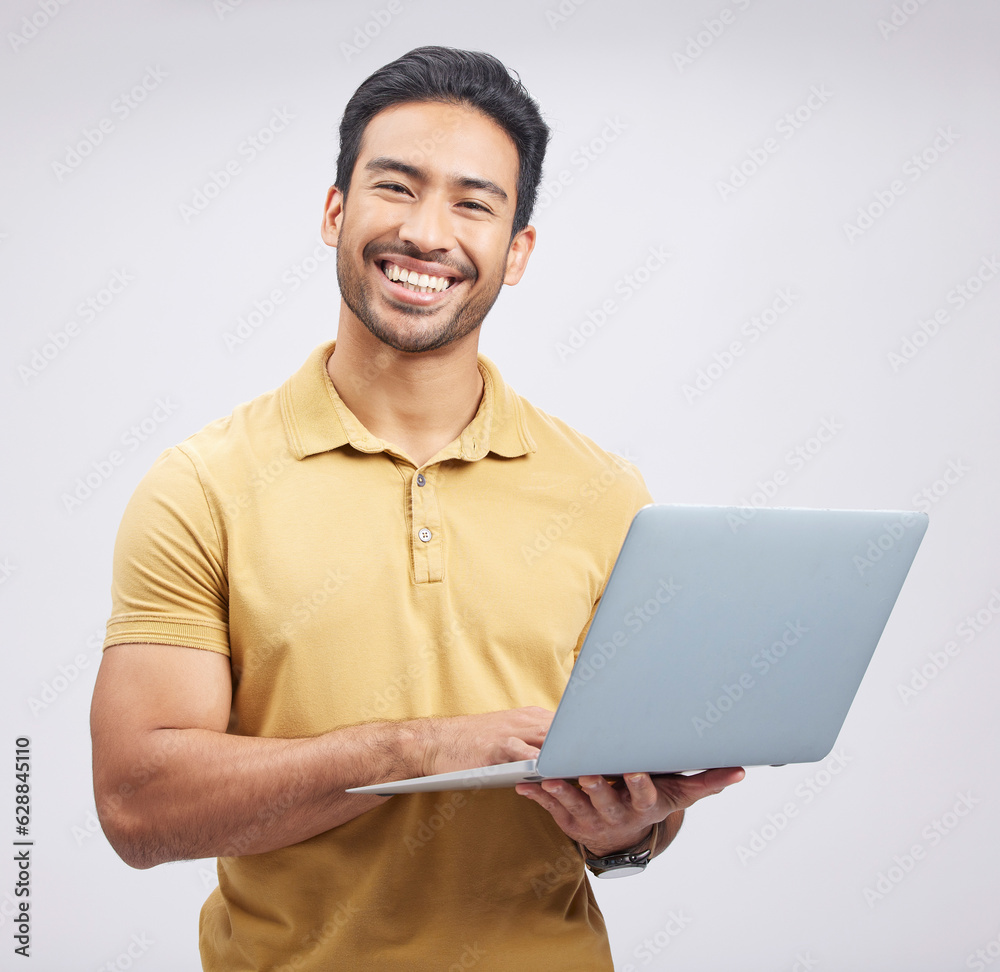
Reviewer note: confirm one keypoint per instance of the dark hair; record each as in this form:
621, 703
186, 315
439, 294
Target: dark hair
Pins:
453, 76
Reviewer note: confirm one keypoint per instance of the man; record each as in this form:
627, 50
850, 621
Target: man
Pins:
341, 584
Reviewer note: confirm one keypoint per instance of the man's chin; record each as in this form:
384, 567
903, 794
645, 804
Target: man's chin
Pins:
415, 343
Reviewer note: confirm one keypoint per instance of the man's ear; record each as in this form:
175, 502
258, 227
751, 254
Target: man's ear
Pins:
333, 216
518, 253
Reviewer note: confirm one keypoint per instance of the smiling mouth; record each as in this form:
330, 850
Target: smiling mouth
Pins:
420, 283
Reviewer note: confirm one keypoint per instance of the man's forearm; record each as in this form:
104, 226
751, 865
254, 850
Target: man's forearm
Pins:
198, 793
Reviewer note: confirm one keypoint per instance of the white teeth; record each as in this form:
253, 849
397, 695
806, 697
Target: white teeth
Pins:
420, 282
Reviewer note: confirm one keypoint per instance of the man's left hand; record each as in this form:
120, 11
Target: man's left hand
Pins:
606, 819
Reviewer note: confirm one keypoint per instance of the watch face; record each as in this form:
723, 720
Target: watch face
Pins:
626, 870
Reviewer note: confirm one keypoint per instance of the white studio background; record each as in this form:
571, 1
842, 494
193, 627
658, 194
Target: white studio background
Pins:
767, 272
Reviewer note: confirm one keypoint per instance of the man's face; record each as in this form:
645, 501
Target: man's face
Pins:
433, 193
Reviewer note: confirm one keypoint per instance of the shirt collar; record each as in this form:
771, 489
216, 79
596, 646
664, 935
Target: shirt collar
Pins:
317, 420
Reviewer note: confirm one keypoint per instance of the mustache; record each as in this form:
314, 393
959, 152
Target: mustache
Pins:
462, 269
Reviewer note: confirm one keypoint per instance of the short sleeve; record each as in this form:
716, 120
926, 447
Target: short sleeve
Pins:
638, 498
169, 583
634, 496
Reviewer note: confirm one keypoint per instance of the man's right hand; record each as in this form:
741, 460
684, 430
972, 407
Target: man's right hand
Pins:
443, 745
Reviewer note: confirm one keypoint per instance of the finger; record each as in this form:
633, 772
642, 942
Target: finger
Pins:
643, 793
532, 735
548, 801
534, 718
683, 791
575, 803
716, 780
514, 748
611, 803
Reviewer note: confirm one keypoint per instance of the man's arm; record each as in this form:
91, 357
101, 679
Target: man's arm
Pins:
171, 784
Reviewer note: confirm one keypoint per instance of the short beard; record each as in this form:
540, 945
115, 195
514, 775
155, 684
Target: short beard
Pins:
467, 318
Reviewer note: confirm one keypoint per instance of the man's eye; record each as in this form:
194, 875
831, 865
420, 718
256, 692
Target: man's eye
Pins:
394, 186
475, 205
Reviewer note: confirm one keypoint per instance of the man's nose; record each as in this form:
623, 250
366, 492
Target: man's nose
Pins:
428, 226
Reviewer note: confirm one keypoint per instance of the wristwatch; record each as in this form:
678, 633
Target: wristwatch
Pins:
627, 862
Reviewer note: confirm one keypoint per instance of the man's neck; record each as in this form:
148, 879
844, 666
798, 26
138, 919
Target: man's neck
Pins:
418, 402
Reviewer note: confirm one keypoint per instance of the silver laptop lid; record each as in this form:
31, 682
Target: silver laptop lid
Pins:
730, 637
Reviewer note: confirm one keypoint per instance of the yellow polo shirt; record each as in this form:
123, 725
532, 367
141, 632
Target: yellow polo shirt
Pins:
348, 585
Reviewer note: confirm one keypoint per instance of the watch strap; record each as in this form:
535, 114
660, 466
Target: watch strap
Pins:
621, 863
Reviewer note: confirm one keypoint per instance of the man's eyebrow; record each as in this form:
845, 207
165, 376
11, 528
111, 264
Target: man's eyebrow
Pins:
384, 163
471, 182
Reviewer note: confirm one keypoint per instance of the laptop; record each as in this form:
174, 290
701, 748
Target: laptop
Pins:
726, 636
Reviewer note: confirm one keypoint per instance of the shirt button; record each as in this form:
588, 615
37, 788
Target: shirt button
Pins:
420, 479
425, 534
